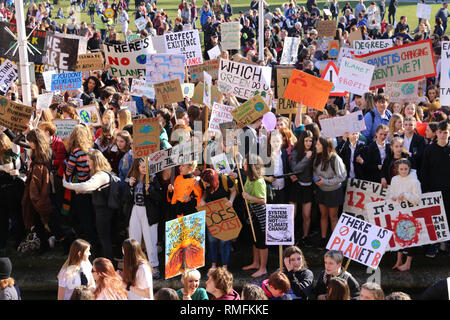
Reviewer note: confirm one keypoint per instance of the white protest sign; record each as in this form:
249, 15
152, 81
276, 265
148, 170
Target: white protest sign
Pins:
186, 43
230, 35
207, 89
331, 74
344, 52
141, 23
279, 224
129, 59
337, 126
188, 90
359, 240
354, 76
47, 76
171, 157
445, 74
131, 106
140, 87
290, 50
89, 115
8, 74
368, 46
424, 11
221, 113
64, 127
359, 193
44, 100
214, 53
412, 226
244, 80
163, 67
220, 163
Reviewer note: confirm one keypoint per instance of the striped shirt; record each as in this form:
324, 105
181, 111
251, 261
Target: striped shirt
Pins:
77, 165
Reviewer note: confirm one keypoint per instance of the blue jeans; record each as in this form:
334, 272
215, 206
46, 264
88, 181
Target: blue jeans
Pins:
225, 249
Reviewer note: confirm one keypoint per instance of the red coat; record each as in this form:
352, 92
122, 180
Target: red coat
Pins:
59, 155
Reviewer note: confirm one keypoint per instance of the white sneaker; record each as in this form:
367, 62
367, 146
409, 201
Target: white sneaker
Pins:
51, 242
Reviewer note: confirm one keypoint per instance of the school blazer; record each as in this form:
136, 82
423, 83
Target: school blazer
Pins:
344, 151
417, 149
372, 159
389, 162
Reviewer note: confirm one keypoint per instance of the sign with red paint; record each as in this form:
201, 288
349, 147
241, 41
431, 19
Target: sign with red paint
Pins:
359, 240
221, 220
186, 43
359, 193
412, 225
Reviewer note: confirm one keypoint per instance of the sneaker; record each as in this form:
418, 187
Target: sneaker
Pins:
51, 242
156, 273
431, 251
322, 244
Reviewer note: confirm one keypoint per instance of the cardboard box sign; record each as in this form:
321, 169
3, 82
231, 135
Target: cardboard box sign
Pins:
326, 28
90, 62
146, 134
13, 115
168, 92
250, 111
221, 220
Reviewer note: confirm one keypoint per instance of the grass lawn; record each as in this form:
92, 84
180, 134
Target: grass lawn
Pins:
171, 7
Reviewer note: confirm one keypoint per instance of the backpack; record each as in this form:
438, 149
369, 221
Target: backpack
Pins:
114, 192
224, 177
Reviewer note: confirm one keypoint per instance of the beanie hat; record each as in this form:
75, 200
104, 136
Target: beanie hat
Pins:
5, 268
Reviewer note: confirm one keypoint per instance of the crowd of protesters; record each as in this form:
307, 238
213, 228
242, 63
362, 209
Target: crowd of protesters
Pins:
53, 190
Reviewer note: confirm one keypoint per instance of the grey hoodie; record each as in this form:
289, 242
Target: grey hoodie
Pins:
332, 179
303, 166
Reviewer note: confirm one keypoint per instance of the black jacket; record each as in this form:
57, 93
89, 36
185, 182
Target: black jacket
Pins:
435, 168
371, 161
322, 283
153, 201
301, 282
389, 162
344, 151
416, 148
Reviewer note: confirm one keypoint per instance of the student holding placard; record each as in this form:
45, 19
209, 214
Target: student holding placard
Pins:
217, 186
329, 175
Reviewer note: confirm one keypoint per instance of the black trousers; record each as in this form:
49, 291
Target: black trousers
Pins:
104, 219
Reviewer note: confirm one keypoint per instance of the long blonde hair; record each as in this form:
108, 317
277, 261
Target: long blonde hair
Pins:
80, 137
100, 163
5, 144
394, 118
123, 118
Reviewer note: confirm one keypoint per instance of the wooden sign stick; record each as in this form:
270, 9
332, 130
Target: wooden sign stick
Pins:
206, 135
147, 178
242, 187
346, 265
281, 258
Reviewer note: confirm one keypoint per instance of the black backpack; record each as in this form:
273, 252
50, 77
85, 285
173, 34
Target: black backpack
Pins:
114, 193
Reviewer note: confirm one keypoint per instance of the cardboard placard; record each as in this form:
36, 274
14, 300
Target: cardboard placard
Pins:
359, 240
186, 43
402, 91
222, 221
279, 224
244, 80
64, 127
290, 50
13, 115
89, 115
146, 134
307, 89
220, 113
168, 92
62, 51
230, 36
164, 67
90, 62
355, 35
338, 126
354, 76
216, 95
413, 226
250, 111
359, 193
67, 81
333, 49
326, 28
210, 66
284, 106
185, 244
409, 62
8, 74
129, 59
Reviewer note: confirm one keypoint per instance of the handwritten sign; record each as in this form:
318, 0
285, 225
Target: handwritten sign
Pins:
141, 23
66, 81
89, 115
445, 75
354, 76
402, 91
290, 50
168, 92
64, 127
220, 163
175, 156
188, 89
359, 240
424, 11
326, 28
216, 95
250, 111
279, 224
207, 83
186, 43
220, 113
368, 46
44, 100
13, 115
338, 126
140, 87
284, 106
90, 62
210, 66
307, 89
222, 221
230, 35
409, 62
412, 226
62, 51
359, 193
8, 74
146, 134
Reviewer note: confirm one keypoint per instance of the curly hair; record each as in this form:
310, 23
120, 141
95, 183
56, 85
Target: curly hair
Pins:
212, 178
80, 137
223, 279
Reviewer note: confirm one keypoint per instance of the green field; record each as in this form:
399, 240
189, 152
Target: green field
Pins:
171, 7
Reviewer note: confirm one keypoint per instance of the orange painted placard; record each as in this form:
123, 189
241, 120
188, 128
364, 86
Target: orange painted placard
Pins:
307, 89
